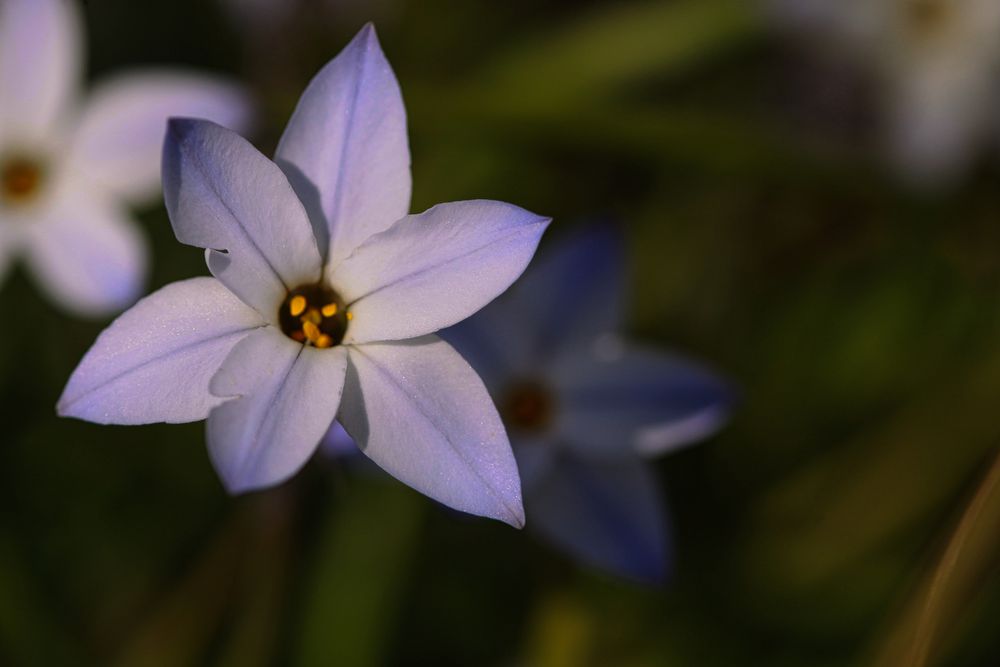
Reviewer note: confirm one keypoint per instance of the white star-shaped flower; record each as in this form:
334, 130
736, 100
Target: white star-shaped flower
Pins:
304, 323
938, 66
69, 166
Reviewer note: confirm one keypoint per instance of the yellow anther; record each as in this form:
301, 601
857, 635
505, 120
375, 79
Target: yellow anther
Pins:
312, 315
350, 315
297, 306
311, 331
329, 310
324, 341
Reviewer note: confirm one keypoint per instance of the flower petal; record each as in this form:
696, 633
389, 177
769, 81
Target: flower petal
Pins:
422, 414
288, 397
575, 293
345, 148
618, 399
535, 457
337, 443
119, 141
222, 194
939, 117
607, 515
154, 363
9, 243
87, 253
429, 271
495, 345
568, 296
40, 55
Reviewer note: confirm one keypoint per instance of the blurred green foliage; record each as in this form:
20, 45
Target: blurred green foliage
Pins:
837, 521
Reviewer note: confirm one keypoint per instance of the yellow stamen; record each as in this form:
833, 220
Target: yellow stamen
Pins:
311, 331
329, 310
324, 341
350, 315
297, 305
312, 315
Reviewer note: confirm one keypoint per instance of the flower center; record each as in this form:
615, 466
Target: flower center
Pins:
528, 406
21, 178
926, 19
314, 315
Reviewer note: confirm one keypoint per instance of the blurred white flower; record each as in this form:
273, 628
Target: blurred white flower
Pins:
68, 165
938, 69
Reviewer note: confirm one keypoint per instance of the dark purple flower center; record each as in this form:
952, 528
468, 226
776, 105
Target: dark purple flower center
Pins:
314, 315
527, 406
21, 178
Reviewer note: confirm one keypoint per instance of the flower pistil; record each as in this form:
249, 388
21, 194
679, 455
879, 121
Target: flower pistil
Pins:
314, 315
21, 178
528, 406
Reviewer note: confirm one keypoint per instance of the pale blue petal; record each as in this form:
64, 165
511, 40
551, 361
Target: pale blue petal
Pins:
574, 293
535, 457
345, 148
495, 342
421, 413
606, 515
288, 395
223, 195
87, 253
615, 394
119, 140
337, 443
432, 270
154, 363
40, 56
569, 295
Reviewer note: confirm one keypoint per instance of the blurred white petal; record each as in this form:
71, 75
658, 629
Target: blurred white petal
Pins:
87, 252
41, 56
119, 140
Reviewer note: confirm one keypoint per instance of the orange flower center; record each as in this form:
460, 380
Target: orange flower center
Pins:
314, 315
21, 179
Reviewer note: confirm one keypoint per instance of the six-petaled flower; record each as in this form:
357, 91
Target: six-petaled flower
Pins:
324, 302
935, 62
68, 168
584, 408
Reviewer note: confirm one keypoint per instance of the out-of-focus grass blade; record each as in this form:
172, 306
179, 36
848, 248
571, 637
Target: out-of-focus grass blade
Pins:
617, 43
180, 629
561, 633
360, 564
846, 505
942, 597
258, 611
29, 635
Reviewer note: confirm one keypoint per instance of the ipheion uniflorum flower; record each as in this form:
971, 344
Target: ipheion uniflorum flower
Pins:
70, 164
324, 302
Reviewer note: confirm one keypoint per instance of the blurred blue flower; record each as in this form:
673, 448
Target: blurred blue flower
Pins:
68, 166
324, 303
583, 407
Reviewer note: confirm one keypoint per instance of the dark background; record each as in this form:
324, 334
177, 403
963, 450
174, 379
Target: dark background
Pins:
857, 315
